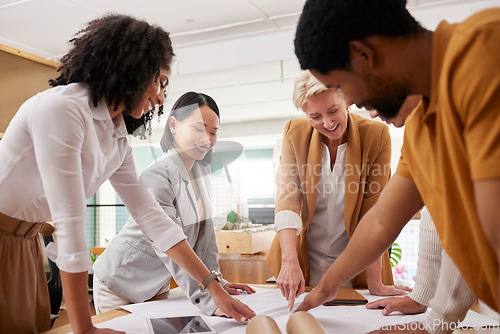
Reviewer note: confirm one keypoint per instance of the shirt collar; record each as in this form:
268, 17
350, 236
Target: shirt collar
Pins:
440, 40
101, 113
176, 158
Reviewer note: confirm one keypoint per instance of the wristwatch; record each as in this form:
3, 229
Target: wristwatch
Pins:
213, 276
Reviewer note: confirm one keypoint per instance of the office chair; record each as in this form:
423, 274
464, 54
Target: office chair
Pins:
54, 284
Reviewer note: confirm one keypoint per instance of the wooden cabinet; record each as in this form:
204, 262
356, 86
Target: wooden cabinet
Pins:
242, 255
237, 268
22, 76
244, 242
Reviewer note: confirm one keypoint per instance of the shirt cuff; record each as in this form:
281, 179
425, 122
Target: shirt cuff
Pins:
287, 219
168, 239
421, 295
223, 282
70, 263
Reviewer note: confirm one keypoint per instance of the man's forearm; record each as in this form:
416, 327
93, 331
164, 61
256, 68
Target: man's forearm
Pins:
486, 194
376, 231
374, 274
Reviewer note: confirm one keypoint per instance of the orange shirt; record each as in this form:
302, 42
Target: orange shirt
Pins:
454, 139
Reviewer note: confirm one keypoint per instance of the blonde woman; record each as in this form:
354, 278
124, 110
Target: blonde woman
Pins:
333, 166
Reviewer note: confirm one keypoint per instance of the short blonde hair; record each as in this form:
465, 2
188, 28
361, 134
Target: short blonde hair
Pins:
306, 85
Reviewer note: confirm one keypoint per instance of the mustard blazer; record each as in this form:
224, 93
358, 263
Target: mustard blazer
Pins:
367, 170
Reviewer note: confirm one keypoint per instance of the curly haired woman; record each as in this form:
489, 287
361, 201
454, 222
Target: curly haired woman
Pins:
60, 147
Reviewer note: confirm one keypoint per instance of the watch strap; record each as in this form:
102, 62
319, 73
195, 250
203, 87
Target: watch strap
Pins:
213, 276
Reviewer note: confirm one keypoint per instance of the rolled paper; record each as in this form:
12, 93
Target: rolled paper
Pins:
303, 322
262, 324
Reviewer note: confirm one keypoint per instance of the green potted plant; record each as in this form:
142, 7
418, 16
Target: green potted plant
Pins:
232, 221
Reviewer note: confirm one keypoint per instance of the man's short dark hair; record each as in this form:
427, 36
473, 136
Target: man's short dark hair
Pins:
326, 27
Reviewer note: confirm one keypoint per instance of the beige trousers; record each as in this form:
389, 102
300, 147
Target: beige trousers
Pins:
24, 295
106, 300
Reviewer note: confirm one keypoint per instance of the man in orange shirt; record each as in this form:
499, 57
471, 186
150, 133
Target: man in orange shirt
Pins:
378, 54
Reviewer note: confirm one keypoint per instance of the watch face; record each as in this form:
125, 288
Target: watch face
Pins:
177, 325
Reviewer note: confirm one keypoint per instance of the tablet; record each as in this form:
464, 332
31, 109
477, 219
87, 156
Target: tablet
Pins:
177, 325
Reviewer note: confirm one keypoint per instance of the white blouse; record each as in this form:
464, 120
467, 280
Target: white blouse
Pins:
326, 235
56, 153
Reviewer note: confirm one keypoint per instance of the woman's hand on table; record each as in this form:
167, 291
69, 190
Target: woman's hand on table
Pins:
404, 305
227, 305
291, 282
388, 290
234, 288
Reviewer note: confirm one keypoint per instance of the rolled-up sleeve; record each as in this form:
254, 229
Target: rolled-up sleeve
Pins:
287, 219
57, 130
288, 191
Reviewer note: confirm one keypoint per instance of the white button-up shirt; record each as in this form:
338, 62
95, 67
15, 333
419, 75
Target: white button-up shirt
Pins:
56, 153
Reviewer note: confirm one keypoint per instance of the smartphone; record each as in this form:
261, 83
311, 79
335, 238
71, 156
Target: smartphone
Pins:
177, 325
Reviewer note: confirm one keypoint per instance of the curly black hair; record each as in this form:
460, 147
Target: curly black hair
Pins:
118, 56
326, 27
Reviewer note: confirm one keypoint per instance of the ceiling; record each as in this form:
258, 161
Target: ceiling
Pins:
238, 51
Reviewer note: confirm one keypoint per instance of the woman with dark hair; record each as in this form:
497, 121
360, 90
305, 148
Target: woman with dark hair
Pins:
57, 151
179, 181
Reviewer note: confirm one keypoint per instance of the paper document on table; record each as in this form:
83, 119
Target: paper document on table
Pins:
270, 302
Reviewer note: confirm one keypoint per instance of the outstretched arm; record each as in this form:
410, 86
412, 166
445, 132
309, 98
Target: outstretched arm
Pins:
398, 202
375, 285
185, 257
486, 193
291, 278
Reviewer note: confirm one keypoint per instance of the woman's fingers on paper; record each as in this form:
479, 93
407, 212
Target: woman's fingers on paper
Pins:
234, 308
234, 288
401, 290
291, 300
404, 288
302, 288
390, 290
244, 310
244, 287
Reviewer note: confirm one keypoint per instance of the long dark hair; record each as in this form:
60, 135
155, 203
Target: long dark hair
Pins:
118, 56
183, 108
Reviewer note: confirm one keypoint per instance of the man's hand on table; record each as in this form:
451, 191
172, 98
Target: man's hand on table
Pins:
404, 305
